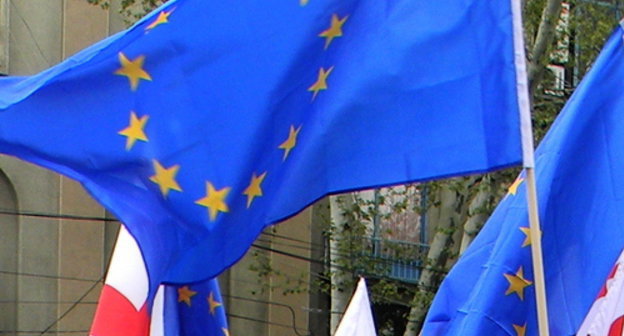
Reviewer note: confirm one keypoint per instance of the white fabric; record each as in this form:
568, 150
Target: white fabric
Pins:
157, 324
358, 318
127, 272
608, 308
522, 87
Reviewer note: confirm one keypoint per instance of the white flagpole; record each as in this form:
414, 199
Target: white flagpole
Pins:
529, 165
536, 252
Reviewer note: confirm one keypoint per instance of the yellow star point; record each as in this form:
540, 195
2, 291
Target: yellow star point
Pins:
254, 189
133, 70
225, 332
334, 30
513, 188
520, 330
213, 303
185, 294
165, 178
527, 239
303, 2
134, 131
214, 200
321, 82
527, 231
163, 17
290, 142
517, 283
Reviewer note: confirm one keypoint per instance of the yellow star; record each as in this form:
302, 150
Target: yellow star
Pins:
303, 2
214, 200
517, 283
213, 303
520, 330
165, 178
161, 19
290, 142
185, 295
254, 188
321, 82
513, 188
225, 332
334, 30
134, 131
133, 70
527, 232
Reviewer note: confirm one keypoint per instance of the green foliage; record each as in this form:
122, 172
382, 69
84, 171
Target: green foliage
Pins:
592, 22
589, 24
359, 253
273, 278
132, 10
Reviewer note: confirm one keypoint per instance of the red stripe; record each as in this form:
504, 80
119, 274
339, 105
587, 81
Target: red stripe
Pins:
616, 327
603, 290
117, 316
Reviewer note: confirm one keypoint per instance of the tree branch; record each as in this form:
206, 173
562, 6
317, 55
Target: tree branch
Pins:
545, 36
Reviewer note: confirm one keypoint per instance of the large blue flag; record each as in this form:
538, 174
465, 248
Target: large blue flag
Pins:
580, 183
209, 120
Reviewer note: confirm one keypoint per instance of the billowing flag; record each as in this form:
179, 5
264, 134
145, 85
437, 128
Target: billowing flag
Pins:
127, 308
580, 184
209, 120
358, 318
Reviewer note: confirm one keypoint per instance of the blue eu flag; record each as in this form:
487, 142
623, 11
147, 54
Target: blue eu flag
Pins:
209, 120
194, 310
580, 181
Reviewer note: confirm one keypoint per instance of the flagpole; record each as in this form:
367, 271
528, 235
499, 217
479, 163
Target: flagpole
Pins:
536, 252
524, 106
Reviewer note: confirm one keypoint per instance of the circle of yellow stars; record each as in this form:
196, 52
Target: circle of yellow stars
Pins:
165, 177
215, 199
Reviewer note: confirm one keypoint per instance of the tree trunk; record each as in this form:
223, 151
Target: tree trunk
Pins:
540, 55
339, 295
476, 215
447, 222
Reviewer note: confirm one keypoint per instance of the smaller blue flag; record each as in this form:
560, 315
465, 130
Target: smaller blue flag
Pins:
194, 310
580, 184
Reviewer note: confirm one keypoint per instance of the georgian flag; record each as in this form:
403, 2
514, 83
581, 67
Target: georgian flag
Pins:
123, 308
606, 316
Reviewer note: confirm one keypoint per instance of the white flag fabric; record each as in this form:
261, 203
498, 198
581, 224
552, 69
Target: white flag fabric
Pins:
606, 316
358, 318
